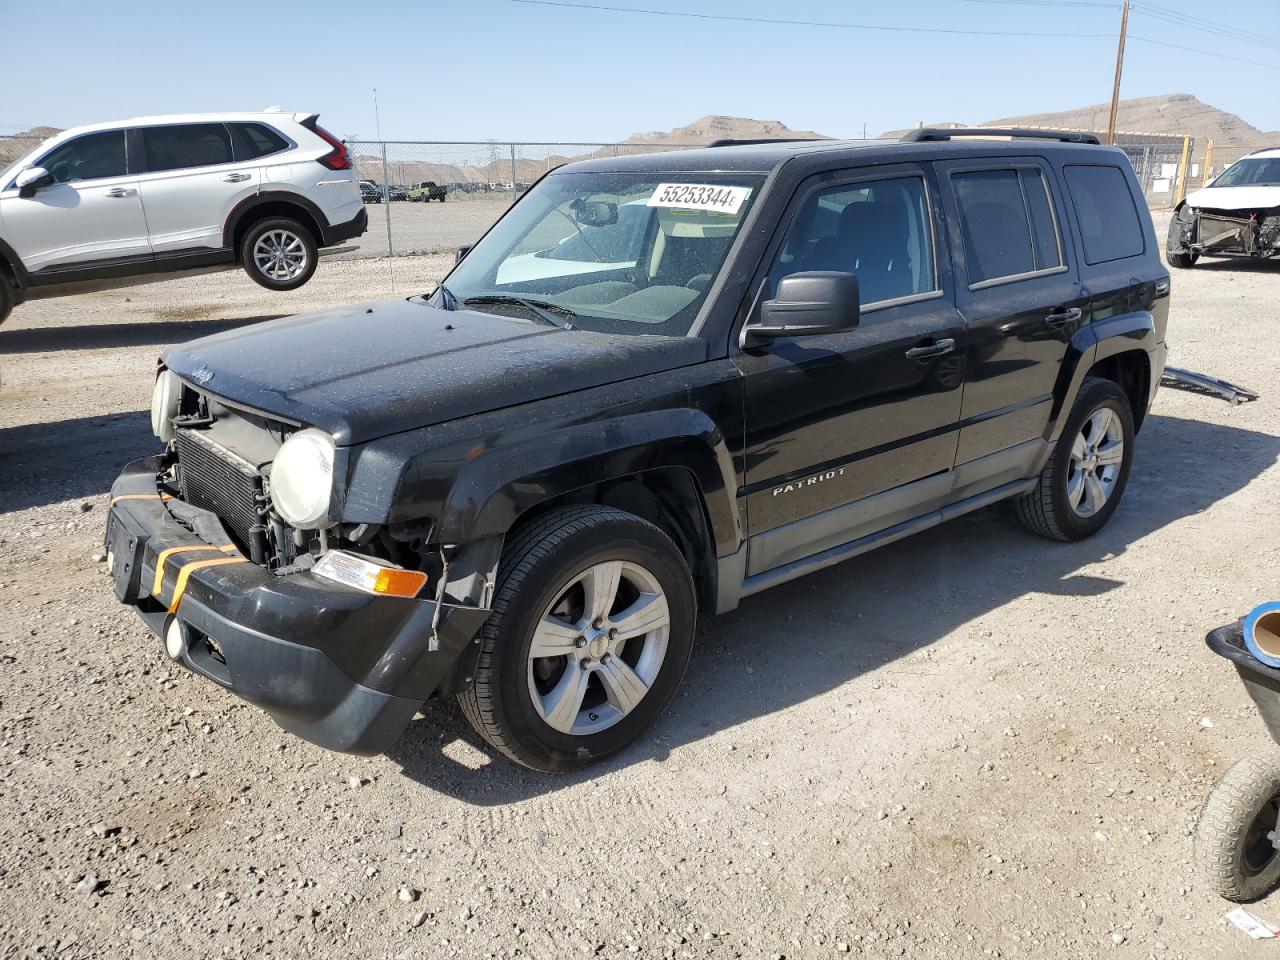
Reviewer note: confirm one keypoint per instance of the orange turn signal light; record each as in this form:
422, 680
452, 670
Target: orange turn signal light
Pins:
367, 574
399, 583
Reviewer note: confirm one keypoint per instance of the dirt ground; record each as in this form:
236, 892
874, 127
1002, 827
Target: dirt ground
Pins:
972, 743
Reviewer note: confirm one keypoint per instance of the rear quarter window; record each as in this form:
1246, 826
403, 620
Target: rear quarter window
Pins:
1110, 227
254, 140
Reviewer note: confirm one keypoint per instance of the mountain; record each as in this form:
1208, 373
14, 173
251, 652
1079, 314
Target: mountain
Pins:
12, 146
714, 127
1176, 114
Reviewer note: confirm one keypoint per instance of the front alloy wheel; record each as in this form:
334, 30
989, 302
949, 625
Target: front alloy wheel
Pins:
598, 648
590, 634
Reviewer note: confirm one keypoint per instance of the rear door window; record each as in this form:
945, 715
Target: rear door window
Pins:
1110, 228
1007, 222
186, 145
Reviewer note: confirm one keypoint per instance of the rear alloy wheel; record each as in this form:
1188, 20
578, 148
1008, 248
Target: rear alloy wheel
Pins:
590, 636
279, 253
1081, 485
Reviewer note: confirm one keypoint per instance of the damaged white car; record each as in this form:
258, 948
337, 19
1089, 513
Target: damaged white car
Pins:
1238, 215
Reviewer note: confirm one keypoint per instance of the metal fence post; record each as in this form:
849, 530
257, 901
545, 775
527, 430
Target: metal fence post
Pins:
386, 200
513, 168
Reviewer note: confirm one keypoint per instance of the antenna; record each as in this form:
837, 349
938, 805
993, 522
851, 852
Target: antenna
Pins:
377, 120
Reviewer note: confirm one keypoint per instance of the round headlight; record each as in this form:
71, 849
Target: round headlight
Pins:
302, 480
164, 405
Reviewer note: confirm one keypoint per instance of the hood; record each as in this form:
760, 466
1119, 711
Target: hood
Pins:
1235, 198
365, 371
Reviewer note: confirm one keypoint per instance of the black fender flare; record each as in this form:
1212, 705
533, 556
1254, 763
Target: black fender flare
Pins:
9, 258
248, 204
492, 491
1093, 343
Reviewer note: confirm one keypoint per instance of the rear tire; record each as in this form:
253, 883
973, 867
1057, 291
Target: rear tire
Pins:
1081, 485
608, 599
8, 297
279, 253
1233, 855
1183, 261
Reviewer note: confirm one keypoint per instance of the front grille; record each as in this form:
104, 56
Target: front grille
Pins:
219, 481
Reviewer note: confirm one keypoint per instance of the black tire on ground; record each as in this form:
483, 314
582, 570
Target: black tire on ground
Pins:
1233, 855
1183, 261
538, 562
8, 297
283, 227
1047, 509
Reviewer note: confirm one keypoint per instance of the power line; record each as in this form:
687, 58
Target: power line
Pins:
1201, 25
777, 21
1205, 53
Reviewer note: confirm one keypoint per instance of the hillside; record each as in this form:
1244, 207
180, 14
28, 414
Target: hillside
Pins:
12, 146
1178, 114
711, 128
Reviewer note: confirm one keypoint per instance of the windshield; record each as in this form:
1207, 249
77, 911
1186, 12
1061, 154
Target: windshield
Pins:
1258, 172
613, 252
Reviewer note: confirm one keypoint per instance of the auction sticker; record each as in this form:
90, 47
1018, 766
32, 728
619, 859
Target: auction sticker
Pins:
699, 196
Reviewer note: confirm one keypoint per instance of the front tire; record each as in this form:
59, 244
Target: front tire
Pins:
591, 631
279, 253
1233, 854
8, 297
1081, 485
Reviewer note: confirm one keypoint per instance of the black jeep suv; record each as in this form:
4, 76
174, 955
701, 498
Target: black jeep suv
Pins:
657, 385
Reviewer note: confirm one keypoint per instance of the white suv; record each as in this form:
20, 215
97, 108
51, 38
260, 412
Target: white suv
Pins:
113, 200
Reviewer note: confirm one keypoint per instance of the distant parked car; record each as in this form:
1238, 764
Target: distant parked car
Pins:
395, 193
263, 190
1237, 215
427, 191
370, 192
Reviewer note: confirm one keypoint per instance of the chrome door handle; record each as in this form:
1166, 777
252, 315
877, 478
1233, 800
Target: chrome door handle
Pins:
1060, 317
118, 192
935, 349
237, 177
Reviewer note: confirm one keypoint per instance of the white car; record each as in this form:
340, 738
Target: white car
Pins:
1237, 215
158, 194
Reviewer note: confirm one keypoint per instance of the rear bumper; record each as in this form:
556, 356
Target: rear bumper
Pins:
345, 231
338, 667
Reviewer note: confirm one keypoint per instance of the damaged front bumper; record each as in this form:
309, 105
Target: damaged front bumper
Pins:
1206, 232
339, 667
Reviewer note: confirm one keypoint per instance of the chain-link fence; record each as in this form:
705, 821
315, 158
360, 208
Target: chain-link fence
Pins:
431, 197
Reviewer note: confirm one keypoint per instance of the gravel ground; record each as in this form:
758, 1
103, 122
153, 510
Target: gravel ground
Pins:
971, 743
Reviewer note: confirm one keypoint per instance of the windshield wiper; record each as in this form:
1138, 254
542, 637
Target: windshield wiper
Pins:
539, 308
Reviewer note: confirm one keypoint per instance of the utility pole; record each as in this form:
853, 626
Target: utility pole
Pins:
1115, 90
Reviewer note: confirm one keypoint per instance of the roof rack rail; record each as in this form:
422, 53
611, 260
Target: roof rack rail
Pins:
731, 142
1015, 133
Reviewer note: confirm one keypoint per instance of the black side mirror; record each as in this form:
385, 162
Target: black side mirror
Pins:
462, 252
807, 304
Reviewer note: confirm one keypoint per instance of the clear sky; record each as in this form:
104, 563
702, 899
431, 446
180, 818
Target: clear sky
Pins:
499, 69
